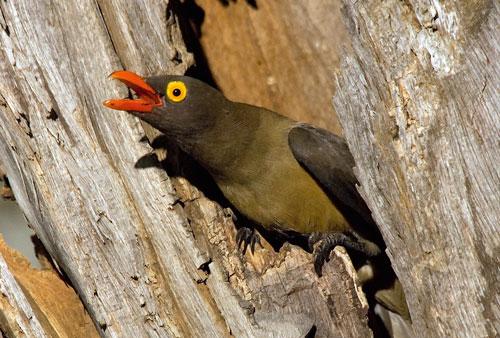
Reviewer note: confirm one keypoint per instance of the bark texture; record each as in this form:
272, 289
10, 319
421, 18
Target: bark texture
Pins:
418, 100
143, 261
49, 301
17, 317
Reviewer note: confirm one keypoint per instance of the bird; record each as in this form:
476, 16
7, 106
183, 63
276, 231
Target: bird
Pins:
284, 175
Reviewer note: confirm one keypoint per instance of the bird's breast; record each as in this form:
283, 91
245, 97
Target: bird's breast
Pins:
275, 191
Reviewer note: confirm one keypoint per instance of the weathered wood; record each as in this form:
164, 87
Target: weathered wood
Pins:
53, 302
281, 290
17, 316
119, 232
418, 100
5, 191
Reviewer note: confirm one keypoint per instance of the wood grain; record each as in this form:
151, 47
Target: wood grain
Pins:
52, 300
17, 316
419, 108
119, 232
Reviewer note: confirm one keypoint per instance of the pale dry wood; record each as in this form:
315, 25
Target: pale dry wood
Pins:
418, 101
74, 175
117, 231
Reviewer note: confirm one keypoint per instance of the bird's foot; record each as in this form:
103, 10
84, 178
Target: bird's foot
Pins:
328, 241
247, 237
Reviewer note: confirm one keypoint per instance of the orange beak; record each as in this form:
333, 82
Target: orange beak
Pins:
147, 99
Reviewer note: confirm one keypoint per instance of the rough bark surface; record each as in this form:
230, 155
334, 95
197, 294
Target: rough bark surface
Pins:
118, 232
418, 100
51, 299
281, 289
17, 316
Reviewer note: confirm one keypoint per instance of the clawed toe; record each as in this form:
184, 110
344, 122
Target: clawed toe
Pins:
321, 255
247, 237
314, 238
328, 241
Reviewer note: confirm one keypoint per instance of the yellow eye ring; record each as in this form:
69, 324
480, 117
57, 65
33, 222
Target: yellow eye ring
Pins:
176, 91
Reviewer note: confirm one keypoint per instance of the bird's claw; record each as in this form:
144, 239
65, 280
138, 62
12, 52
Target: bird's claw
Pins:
314, 238
321, 252
327, 242
247, 237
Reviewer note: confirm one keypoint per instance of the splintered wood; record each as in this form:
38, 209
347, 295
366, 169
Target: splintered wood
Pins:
117, 231
419, 107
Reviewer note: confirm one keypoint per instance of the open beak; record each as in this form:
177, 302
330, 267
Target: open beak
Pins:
147, 97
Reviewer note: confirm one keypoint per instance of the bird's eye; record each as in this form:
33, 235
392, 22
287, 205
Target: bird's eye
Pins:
176, 91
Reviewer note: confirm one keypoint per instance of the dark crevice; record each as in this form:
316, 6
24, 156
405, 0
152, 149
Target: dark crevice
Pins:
3, 333
191, 18
205, 267
312, 332
376, 324
179, 202
148, 161
41, 253
101, 14
251, 3
26, 119
6, 191
52, 114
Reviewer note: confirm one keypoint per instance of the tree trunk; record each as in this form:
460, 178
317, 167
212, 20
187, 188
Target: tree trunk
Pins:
38, 303
145, 260
418, 100
17, 317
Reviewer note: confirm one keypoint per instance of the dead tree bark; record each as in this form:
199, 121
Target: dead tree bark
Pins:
418, 100
38, 303
17, 316
119, 233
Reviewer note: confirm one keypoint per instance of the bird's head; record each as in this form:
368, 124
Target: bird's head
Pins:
179, 106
